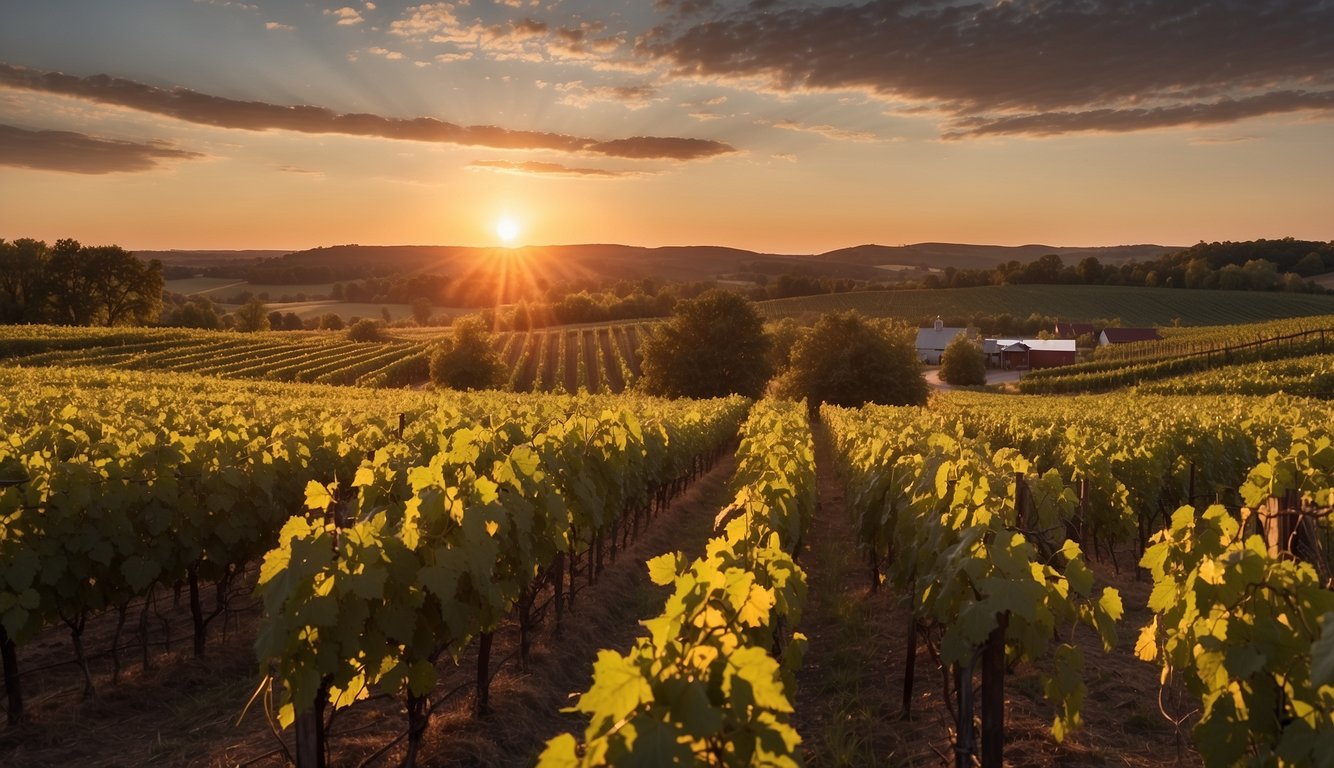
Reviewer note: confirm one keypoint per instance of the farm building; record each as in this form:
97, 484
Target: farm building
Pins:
1013, 354
931, 342
1127, 335
1074, 330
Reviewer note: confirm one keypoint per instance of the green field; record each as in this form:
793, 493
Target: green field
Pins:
561, 359
1076, 303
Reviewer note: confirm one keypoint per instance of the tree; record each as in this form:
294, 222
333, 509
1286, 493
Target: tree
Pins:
783, 337
963, 363
421, 311
252, 316
468, 360
365, 330
125, 290
1090, 270
22, 280
714, 345
331, 321
1311, 264
67, 285
849, 360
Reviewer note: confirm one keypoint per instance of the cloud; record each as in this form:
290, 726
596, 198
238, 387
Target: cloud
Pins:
347, 15
80, 153
631, 96
229, 4
521, 39
1219, 140
273, 25
659, 147
535, 168
205, 109
1131, 119
385, 52
827, 131
1036, 67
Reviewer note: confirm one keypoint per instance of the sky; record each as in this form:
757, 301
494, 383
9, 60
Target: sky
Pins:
786, 127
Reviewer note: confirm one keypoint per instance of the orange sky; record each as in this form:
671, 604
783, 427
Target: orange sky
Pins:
791, 128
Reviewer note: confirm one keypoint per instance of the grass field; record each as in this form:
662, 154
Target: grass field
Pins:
1076, 303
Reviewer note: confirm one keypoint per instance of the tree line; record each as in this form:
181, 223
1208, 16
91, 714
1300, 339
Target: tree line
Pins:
1256, 265
74, 284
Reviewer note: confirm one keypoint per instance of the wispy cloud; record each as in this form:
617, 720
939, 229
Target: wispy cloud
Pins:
79, 153
385, 52
536, 168
1039, 67
347, 15
205, 109
631, 96
827, 131
274, 25
229, 4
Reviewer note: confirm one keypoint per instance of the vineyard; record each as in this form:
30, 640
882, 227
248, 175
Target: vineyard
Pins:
596, 359
409, 567
1192, 352
1071, 303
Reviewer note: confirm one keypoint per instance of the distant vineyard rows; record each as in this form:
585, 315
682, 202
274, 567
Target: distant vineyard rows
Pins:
603, 359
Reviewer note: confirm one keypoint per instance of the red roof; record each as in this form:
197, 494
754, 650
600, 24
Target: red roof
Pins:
1124, 335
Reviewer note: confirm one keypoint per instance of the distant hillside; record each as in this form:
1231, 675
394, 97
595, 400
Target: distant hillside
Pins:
558, 263
176, 258
962, 256
572, 262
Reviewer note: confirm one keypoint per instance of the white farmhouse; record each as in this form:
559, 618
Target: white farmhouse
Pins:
931, 342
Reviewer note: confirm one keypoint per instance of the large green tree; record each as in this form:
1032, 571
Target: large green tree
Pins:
713, 345
68, 285
849, 360
467, 360
963, 363
125, 290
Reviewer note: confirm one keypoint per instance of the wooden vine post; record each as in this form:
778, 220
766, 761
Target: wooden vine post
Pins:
993, 695
13, 693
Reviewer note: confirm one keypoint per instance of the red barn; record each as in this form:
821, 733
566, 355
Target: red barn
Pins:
1030, 353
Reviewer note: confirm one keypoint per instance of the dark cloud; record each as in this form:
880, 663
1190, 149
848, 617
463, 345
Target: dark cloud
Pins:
80, 153
195, 107
659, 147
1226, 111
537, 168
1008, 66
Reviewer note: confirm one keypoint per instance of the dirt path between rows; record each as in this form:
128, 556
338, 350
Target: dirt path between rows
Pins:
849, 702
185, 711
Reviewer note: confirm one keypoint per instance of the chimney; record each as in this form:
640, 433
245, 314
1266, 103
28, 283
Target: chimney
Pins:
940, 324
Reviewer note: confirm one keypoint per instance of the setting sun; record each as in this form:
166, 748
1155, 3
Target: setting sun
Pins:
508, 230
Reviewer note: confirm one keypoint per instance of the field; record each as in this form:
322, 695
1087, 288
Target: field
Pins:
598, 358
1135, 307
295, 506
434, 578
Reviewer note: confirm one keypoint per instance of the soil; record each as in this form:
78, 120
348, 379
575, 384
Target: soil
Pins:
188, 712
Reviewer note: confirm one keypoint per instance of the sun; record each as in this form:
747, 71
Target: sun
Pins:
507, 229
